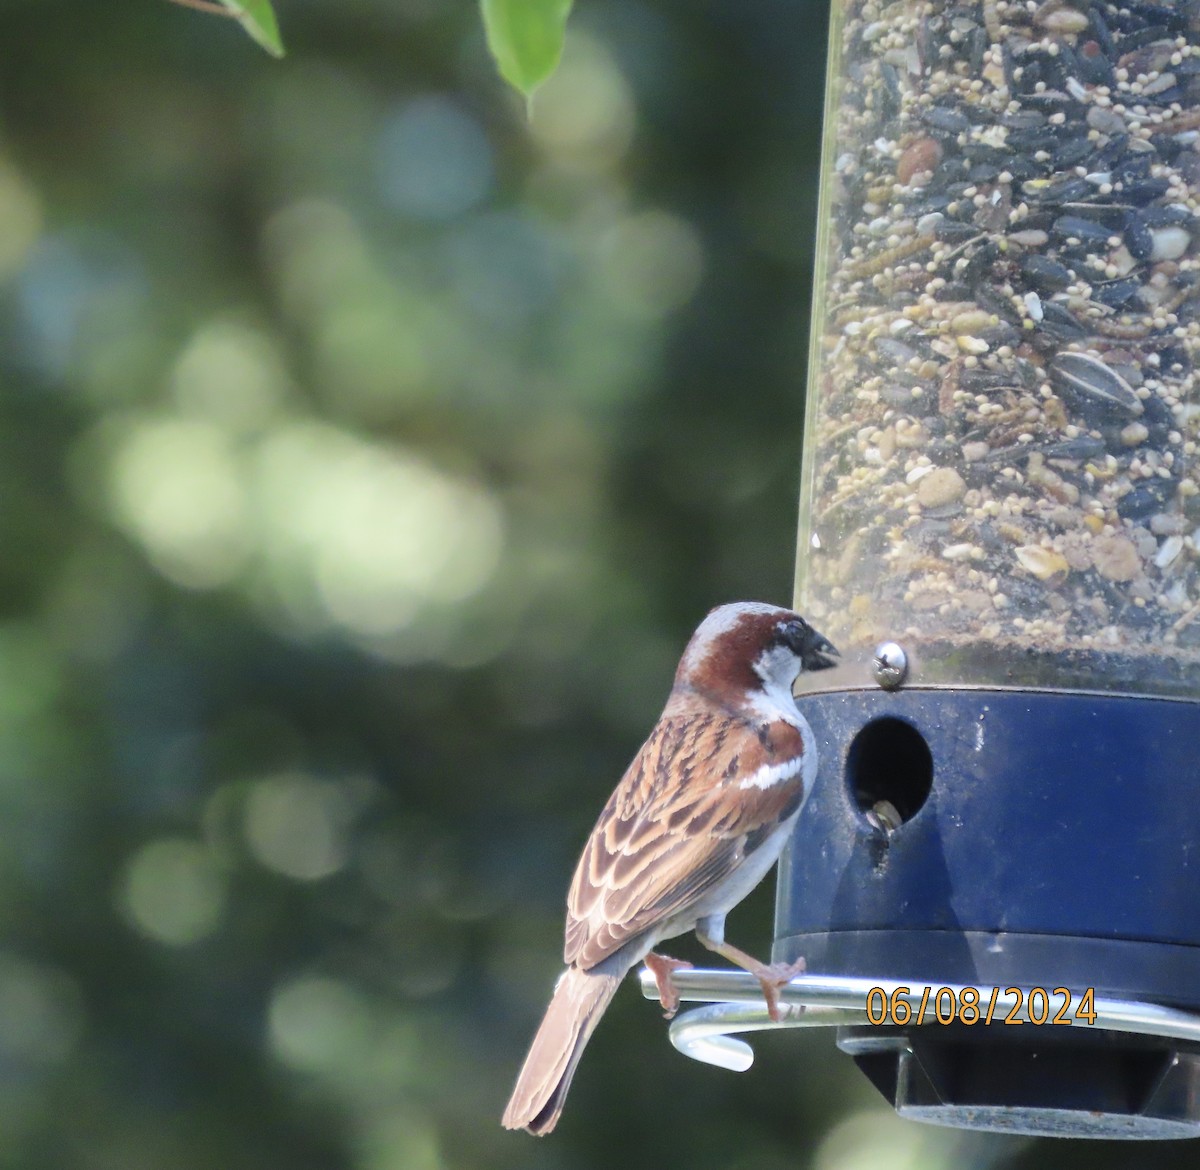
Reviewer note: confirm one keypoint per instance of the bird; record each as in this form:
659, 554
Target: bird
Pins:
696, 822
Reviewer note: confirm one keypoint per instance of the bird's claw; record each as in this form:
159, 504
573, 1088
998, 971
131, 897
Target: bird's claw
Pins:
773, 978
662, 967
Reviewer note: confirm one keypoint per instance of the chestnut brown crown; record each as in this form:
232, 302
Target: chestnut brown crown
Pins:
747, 645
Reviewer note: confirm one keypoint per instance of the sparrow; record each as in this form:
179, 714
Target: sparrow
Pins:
697, 821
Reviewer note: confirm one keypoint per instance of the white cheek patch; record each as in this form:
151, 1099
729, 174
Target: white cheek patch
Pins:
773, 703
777, 666
771, 774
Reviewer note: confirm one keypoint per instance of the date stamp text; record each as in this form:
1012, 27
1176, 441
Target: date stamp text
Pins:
975, 1005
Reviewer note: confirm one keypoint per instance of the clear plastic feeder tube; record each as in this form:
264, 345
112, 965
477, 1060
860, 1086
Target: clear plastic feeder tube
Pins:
1001, 468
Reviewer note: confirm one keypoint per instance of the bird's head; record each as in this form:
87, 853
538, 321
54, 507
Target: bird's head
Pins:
748, 646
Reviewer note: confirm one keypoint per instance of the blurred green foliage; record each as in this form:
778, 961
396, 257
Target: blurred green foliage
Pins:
526, 38
366, 455
257, 17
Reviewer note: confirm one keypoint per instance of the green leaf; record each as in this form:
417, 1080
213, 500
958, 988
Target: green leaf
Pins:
258, 19
526, 38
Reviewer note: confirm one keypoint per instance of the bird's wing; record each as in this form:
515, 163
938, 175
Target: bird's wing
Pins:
702, 793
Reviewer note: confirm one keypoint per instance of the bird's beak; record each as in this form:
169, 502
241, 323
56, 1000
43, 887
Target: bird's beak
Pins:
818, 653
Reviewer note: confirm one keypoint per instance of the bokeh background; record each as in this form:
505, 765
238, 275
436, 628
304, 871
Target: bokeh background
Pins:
367, 453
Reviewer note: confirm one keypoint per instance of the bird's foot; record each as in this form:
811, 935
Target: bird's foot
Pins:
662, 967
774, 977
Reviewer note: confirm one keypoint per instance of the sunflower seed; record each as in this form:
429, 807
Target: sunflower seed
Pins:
1097, 391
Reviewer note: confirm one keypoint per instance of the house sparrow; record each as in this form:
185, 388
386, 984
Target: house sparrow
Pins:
696, 822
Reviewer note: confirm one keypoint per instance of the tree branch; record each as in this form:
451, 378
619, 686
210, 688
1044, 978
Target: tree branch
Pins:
206, 6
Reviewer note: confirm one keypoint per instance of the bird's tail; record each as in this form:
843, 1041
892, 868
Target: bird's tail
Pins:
580, 998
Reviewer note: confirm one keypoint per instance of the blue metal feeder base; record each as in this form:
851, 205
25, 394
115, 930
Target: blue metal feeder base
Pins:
1042, 1083
1008, 839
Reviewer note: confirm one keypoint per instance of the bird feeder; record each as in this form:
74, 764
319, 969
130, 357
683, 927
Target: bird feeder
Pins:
996, 880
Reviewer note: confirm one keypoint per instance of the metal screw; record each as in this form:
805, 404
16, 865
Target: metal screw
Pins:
889, 667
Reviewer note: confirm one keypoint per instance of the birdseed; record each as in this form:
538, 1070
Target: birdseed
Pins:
1004, 418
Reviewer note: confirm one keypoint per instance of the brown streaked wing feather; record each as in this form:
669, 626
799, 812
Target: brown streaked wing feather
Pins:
669, 833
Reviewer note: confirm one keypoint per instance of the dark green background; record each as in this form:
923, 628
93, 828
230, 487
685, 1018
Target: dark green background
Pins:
365, 459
